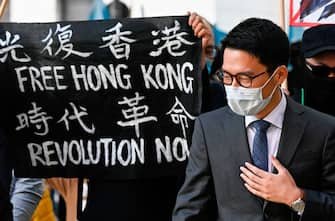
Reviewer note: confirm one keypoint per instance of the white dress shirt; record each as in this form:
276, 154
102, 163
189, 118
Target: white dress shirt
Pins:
275, 118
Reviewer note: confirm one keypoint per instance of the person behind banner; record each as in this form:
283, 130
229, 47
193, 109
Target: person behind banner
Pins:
26, 193
265, 156
217, 92
318, 49
213, 94
18, 196
149, 199
296, 69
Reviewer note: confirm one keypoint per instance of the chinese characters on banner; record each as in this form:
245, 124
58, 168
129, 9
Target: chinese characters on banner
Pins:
312, 12
113, 99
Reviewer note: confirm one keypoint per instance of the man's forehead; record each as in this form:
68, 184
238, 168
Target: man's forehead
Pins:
241, 61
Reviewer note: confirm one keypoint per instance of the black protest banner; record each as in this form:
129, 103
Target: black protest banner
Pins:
113, 98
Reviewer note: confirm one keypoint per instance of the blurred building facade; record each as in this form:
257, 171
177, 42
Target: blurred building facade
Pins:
222, 14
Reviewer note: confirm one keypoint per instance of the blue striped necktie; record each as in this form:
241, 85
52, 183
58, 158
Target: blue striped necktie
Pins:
260, 144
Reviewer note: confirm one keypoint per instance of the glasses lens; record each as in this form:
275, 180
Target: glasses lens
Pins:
320, 70
244, 80
227, 78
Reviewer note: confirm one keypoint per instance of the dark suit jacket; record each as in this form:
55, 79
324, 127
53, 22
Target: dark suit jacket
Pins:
220, 147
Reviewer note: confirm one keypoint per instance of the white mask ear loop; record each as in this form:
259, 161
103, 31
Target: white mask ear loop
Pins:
267, 82
270, 78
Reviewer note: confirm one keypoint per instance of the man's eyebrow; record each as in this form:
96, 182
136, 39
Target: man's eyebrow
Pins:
248, 73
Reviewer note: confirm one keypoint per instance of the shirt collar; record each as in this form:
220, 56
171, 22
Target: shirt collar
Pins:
275, 117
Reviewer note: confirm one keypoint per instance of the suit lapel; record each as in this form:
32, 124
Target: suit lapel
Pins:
293, 129
237, 139
238, 142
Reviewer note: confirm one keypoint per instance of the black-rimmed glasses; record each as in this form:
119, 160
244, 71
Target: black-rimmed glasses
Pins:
242, 79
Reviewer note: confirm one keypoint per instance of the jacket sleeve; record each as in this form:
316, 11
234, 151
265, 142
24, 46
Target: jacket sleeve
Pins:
26, 195
195, 196
320, 203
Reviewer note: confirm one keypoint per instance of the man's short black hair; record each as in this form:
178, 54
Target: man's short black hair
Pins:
261, 38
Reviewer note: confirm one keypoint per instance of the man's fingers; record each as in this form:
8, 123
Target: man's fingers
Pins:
250, 182
194, 19
250, 175
255, 170
204, 33
198, 28
191, 18
277, 164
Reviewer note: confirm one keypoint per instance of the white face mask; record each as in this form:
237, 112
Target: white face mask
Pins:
247, 101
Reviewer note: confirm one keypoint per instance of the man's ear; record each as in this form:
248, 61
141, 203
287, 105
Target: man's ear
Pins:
281, 74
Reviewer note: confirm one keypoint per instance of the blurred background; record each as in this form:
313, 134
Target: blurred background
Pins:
222, 14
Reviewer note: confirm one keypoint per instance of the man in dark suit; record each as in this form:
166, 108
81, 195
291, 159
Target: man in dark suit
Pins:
265, 157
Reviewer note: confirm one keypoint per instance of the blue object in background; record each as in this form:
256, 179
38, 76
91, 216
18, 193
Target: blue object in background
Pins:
218, 35
295, 33
99, 11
